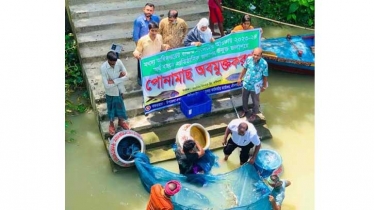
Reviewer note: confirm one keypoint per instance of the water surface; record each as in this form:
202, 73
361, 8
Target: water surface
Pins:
288, 105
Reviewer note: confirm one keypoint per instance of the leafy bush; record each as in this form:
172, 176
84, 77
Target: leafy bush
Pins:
76, 95
298, 12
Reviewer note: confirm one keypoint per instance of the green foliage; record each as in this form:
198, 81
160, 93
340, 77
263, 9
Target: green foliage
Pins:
297, 12
73, 69
76, 95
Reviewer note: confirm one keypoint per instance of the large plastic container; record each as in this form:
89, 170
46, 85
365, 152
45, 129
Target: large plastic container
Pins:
193, 131
266, 162
122, 144
195, 104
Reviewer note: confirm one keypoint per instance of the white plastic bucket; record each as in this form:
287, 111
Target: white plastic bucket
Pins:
118, 142
199, 134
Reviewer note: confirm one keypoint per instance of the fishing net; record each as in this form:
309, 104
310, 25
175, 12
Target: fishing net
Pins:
239, 189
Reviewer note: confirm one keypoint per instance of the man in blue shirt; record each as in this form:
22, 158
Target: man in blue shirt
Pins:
141, 27
277, 195
255, 74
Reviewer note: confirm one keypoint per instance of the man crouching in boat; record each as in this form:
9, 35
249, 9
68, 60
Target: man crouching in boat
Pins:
160, 198
243, 135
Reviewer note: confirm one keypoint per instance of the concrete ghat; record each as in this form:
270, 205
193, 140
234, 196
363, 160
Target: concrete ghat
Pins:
97, 24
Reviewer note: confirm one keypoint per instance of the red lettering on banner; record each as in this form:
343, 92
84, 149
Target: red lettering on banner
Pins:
155, 81
168, 80
188, 73
217, 69
214, 66
225, 64
175, 77
200, 70
242, 58
208, 67
235, 62
178, 77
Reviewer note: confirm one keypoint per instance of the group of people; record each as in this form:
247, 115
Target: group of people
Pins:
152, 35
243, 135
160, 196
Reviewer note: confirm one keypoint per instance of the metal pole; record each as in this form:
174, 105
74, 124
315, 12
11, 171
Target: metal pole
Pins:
232, 102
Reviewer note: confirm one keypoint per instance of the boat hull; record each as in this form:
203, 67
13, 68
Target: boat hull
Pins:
291, 68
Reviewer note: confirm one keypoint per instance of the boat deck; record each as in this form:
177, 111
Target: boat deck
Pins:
288, 49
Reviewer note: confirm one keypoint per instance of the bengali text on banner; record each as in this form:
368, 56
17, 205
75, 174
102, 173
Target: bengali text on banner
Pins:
212, 67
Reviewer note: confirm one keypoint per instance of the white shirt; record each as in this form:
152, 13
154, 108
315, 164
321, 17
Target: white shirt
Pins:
249, 136
107, 73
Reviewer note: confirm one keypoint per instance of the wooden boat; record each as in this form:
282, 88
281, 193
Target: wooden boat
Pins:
293, 54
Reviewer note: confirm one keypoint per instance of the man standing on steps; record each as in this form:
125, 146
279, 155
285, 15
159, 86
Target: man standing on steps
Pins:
113, 73
173, 29
150, 44
255, 72
141, 27
243, 135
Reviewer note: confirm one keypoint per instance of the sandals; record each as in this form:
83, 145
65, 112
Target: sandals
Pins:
252, 118
112, 130
124, 125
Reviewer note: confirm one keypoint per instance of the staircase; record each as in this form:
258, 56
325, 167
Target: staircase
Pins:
98, 24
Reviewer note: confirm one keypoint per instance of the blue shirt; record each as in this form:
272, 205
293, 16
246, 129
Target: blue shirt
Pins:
255, 72
141, 26
279, 193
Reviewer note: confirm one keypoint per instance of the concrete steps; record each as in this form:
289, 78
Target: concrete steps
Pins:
95, 45
118, 21
138, 121
90, 10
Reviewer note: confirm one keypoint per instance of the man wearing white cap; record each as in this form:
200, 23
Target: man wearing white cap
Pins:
277, 195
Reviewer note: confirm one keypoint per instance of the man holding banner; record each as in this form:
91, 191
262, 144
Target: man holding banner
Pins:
149, 44
255, 74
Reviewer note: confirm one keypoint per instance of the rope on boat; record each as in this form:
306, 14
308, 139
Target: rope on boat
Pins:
275, 21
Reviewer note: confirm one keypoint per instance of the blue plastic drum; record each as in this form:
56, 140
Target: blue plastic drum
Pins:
266, 162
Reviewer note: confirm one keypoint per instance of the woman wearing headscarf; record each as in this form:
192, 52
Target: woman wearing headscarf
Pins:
160, 197
201, 33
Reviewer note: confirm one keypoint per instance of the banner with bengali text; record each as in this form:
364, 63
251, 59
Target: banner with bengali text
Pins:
212, 67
